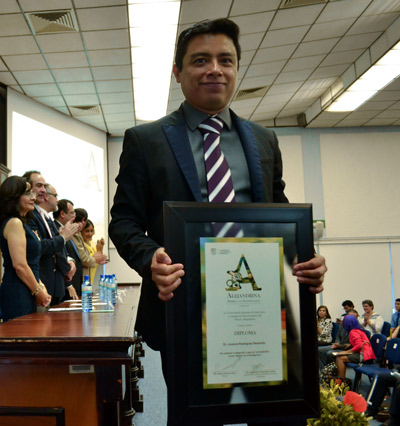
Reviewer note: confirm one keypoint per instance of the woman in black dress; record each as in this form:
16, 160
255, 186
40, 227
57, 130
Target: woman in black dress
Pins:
21, 289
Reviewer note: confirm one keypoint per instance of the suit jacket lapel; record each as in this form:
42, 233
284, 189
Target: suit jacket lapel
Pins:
176, 133
251, 152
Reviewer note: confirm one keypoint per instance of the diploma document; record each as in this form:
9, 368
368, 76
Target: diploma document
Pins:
243, 312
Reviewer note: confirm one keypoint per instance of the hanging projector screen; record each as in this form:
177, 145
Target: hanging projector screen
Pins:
70, 155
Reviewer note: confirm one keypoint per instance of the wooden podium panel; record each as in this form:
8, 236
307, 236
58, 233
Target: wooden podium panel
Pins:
69, 359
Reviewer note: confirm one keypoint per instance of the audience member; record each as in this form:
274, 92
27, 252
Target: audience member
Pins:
87, 234
324, 326
53, 261
341, 343
395, 320
87, 260
379, 388
371, 320
21, 289
347, 305
361, 350
65, 212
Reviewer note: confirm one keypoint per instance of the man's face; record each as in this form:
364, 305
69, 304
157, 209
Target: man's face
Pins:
397, 306
39, 187
68, 215
209, 72
347, 308
52, 199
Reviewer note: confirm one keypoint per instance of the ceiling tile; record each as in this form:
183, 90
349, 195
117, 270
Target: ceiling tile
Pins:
245, 103
246, 57
329, 30
373, 23
106, 39
36, 76
380, 122
175, 94
25, 62
65, 42
241, 7
110, 57
318, 84
64, 110
97, 3
308, 62
9, 6
315, 47
378, 6
196, 11
358, 115
389, 113
287, 112
375, 106
347, 122
48, 89
117, 108
13, 25
114, 86
7, 78
356, 42
289, 77
274, 54
270, 68
112, 118
251, 41
254, 23
112, 73
296, 16
35, 5
53, 101
94, 120
3, 66
74, 74
66, 60
174, 105
277, 89
276, 100
252, 82
79, 87
80, 100
285, 36
387, 95
115, 98
342, 10
337, 58
106, 18
331, 71
18, 45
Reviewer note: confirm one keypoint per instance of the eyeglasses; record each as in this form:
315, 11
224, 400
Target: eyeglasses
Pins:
54, 195
30, 194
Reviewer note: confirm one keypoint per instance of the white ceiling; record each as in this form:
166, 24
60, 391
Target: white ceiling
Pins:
298, 53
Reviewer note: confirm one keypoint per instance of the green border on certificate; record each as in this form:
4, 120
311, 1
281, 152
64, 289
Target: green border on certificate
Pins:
243, 312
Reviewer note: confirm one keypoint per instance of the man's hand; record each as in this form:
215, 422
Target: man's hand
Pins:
335, 346
100, 245
166, 276
70, 274
311, 273
72, 292
100, 258
69, 230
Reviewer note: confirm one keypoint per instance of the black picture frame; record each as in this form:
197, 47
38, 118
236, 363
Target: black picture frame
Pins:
188, 402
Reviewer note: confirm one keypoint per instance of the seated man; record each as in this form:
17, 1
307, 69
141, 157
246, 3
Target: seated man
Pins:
347, 305
379, 388
395, 321
341, 342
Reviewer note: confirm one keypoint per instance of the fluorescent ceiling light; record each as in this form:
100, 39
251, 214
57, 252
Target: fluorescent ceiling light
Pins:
153, 26
376, 78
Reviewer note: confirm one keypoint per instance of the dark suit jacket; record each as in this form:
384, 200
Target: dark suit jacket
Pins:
53, 261
77, 279
157, 165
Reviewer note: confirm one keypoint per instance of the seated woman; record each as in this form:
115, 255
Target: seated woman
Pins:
360, 345
371, 320
21, 290
324, 326
87, 234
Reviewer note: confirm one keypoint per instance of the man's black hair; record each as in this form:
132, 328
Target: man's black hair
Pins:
348, 303
62, 206
28, 175
80, 214
216, 26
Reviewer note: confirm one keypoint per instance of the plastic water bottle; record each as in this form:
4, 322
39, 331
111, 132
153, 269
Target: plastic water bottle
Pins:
108, 290
113, 290
87, 293
101, 287
115, 285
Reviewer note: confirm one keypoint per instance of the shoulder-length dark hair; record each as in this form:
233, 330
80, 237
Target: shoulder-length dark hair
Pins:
326, 309
11, 191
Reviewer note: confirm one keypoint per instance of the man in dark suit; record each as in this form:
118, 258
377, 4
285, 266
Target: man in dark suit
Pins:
64, 213
163, 161
54, 265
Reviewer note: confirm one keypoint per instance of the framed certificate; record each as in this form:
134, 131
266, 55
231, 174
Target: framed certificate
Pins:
241, 332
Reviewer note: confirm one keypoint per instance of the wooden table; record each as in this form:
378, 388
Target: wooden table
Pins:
70, 360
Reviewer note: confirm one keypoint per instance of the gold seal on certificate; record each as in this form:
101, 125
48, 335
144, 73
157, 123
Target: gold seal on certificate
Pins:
244, 327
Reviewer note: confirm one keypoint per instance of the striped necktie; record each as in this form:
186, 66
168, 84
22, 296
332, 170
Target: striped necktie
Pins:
218, 174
